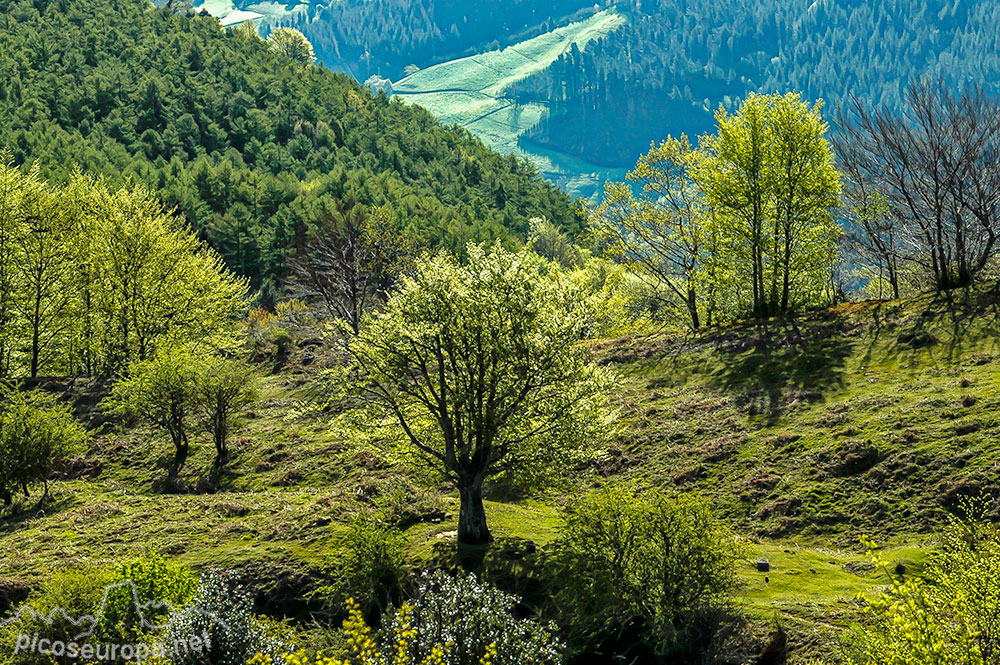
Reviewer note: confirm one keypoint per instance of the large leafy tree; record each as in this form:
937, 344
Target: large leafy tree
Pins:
481, 366
95, 278
770, 178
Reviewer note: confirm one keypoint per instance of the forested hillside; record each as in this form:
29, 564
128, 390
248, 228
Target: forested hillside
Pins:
251, 146
670, 68
382, 37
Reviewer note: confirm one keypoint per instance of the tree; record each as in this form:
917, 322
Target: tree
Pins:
154, 281
659, 562
222, 388
480, 366
874, 235
659, 232
160, 391
293, 44
936, 165
36, 432
35, 238
10, 227
770, 179
353, 261
947, 614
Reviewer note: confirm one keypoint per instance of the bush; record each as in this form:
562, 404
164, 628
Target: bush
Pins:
363, 650
370, 568
659, 567
224, 610
475, 622
155, 579
159, 584
36, 432
947, 615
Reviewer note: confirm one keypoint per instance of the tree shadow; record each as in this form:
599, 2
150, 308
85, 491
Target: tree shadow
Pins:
948, 322
24, 509
779, 362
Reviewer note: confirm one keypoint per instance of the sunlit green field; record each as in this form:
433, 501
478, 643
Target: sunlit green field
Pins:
470, 92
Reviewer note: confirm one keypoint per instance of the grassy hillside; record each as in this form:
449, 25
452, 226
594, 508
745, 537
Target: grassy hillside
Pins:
470, 92
869, 418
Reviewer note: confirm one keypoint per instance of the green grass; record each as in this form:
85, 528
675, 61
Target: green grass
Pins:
470, 92
869, 418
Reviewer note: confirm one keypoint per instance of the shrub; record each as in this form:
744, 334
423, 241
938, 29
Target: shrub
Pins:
660, 567
154, 578
35, 433
948, 615
363, 650
369, 568
475, 621
223, 610
160, 585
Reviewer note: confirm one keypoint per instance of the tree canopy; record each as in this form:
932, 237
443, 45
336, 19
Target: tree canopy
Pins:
248, 143
480, 365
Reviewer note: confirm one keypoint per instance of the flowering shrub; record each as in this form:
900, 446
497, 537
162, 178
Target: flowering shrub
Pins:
476, 622
396, 650
224, 611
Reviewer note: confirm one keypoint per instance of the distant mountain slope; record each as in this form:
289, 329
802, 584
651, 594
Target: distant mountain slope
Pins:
676, 61
382, 37
473, 92
671, 66
252, 147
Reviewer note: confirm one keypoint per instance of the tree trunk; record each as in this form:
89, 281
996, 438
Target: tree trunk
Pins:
472, 529
692, 304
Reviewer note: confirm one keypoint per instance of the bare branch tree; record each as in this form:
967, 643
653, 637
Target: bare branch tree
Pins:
938, 165
350, 266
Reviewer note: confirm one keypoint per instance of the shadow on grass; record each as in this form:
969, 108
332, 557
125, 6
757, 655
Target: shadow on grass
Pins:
24, 510
944, 327
771, 364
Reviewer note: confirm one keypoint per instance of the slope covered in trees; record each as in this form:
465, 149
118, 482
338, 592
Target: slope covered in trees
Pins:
383, 37
251, 146
675, 62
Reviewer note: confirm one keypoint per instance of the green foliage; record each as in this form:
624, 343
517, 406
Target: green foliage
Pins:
96, 278
370, 567
36, 433
469, 616
742, 224
159, 390
291, 43
160, 585
248, 144
945, 615
223, 609
662, 565
179, 383
151, 577
771, 181
223, 387
481, 367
